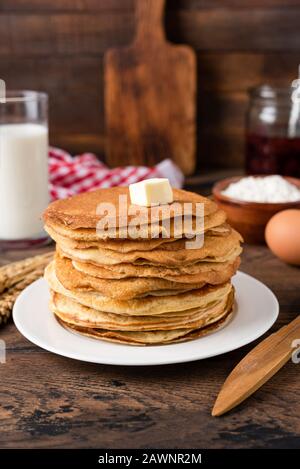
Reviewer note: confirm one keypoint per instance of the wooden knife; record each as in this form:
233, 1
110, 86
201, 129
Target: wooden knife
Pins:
257, 367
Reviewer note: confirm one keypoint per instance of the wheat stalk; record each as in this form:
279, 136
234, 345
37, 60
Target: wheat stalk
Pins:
17, 276
11, 274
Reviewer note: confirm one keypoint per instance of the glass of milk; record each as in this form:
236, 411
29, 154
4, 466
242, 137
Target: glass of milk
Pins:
23, 168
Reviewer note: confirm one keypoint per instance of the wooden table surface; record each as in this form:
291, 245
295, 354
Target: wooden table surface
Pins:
48, 401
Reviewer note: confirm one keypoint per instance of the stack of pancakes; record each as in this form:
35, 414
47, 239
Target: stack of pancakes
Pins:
140, 291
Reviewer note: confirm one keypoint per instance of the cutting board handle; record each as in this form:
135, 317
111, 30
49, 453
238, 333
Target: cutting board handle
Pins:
149, 21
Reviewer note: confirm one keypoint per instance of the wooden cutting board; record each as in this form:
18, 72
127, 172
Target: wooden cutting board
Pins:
150, 96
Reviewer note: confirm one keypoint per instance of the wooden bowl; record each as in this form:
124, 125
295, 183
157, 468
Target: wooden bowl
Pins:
250, 218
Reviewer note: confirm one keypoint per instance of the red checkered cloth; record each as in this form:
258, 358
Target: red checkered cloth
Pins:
73, 175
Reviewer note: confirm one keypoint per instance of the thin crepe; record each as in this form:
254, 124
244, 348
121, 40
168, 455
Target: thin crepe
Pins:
153, 338
213, 273
215, 248
74, 313
82, 211
173, 228
123, 289
64, 236
149, 305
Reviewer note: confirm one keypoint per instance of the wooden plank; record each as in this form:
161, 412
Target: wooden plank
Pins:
217, 71
209, 177
260, 29
217, 150
274, 29
75, 89
79, 142
45, 6
56, 34
230, 4
222, 110
76, 113
232, 71
59, 75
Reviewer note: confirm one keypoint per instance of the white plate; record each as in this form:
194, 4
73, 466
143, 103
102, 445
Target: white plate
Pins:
256, 310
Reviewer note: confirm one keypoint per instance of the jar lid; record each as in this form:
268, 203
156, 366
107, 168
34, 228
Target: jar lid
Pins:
265, 91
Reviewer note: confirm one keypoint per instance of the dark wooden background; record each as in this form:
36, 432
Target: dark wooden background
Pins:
58, 46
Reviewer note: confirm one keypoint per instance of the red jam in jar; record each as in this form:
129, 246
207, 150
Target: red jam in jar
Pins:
272, 136
272, 155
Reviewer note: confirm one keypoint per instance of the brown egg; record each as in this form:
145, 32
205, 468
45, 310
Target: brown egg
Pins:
283, 235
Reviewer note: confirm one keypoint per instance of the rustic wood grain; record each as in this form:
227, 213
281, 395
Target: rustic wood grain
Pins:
54, 402
150, 96
234, 72
58, 46
212, 4
239, 29
56, 33
22, 6
76, 83
35, 34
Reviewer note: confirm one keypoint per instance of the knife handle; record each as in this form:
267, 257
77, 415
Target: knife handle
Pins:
279, 344
257, 367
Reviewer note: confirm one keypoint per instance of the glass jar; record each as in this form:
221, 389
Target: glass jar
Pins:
273, 131
24, 191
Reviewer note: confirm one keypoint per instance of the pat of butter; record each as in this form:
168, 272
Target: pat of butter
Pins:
156, 191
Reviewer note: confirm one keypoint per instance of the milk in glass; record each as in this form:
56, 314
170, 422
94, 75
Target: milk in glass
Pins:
23, 179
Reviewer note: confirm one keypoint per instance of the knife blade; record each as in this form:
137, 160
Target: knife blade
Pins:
257, 367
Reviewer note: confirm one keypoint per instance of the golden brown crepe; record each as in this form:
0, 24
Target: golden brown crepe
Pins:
216, 249
148, 305
208, 272
83, 239
150, 338
73, 312
82, 211
127, 288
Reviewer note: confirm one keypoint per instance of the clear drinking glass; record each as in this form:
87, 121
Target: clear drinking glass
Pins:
23, 168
